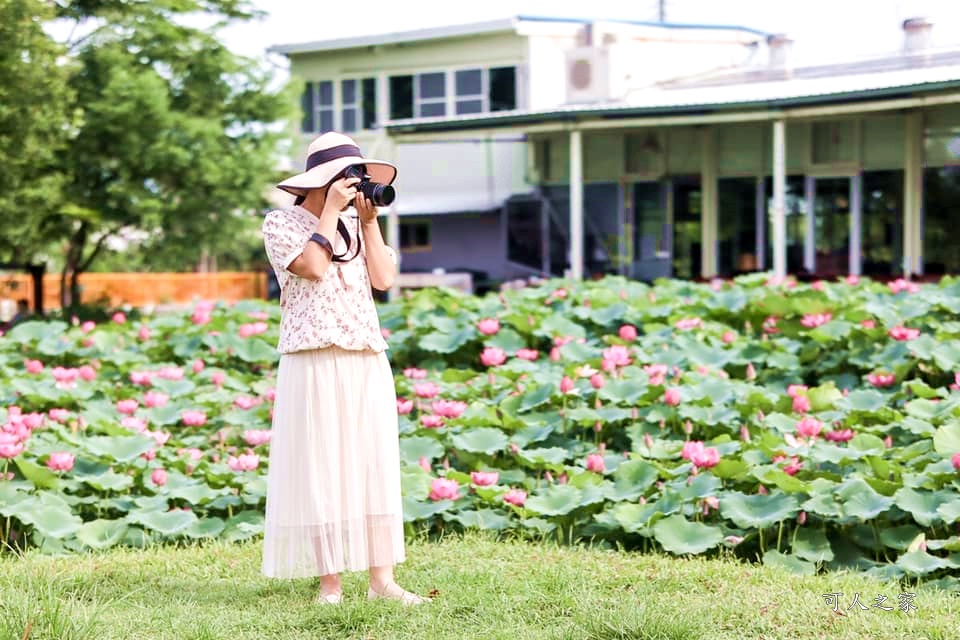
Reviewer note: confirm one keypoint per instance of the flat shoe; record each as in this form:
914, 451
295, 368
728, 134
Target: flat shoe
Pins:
406, 597
329, 598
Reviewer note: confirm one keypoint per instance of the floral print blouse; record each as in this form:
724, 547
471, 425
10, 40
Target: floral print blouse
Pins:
338, 309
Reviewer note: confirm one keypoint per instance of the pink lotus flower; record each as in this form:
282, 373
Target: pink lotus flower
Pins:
444, 489
160, 437
888, 442
818, 285
516, 497
843, 435
385, 332
656, 372
144, 333
566, 384
127, 406
710, 502
813, 320
615, 356
218, 378
596, 463
795, 390
802, 518
728, 337
672, 397
904, 333
252, 329
801, 404
956, 461
793, 466
628, 333
882, 379
245, 402
809, 427
685, 324
492, 357
159, 476
199, 365
716, 284
770, 325
244, 462
414, 373
424, 463
60, 461
484, 478
900, 285
751, 372
155, 398
699, 455
88, 373
554, 354
404, 406
257, 437
868, 323
9, 450
58, 415
488, 326
431, 421
88, 326
426, 389
528, 354
170, 373
584, 371
956, 382
192, 452
33, 366
141, 377
193, 418
853, 280
66, 378
597, 381
200, 317
449, 408
119, 317
137, 424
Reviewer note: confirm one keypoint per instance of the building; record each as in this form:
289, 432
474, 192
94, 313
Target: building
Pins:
547, 146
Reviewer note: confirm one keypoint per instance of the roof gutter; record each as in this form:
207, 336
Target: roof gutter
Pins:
887, 99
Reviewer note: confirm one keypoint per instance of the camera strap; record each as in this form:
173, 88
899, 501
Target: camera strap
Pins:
345, 234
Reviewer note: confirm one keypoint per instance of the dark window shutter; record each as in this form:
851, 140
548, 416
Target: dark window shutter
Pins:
309, 111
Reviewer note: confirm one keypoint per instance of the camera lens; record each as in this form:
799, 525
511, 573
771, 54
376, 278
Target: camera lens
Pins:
380, 195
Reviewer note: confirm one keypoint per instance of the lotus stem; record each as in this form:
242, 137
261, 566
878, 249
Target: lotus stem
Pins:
762, 547
779, 535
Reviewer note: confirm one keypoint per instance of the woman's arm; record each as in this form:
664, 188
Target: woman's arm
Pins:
381, 265
315, 260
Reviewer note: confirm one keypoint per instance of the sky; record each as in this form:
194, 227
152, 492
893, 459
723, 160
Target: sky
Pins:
821, 29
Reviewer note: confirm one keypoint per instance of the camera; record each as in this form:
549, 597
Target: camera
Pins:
379, 194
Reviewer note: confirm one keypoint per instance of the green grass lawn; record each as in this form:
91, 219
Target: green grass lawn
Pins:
485, 589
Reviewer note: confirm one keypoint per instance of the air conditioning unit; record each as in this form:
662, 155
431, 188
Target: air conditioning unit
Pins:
588, 74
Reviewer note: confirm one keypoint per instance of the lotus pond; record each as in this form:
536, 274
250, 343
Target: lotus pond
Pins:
812, 426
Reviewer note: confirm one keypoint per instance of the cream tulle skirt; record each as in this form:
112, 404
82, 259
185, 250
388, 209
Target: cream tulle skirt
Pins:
333, 485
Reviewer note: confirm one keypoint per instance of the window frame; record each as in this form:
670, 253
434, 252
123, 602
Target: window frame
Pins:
451, 97
415, 222
337, 106
419, 101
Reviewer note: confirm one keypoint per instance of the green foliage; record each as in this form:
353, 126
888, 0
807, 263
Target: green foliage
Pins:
581, 440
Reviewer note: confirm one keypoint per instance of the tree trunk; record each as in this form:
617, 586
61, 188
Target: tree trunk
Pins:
69, 277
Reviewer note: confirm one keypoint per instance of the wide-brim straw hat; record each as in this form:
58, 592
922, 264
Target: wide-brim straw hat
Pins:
327, 156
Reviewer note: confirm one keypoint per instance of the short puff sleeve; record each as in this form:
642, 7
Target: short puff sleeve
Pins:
283, 239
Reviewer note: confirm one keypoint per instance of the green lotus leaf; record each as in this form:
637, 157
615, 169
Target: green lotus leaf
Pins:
757, 511
481, 519
921, 504
117, 448
812, 545
557, 500
412, 448
679, 536
166, 523
481, 440
791, 563
861, 501
102, 534
209, 527
920, 563
946, 440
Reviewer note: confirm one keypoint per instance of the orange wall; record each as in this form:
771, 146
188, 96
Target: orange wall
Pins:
140, 289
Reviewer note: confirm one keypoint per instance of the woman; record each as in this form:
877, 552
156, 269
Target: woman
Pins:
333, 486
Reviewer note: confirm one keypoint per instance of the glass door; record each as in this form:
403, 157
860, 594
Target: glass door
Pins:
687, 216
647, 212
833, 214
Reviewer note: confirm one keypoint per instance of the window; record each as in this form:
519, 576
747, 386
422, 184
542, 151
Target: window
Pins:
431, 94
369, 104
350, 105
317, 104
415, 235
401, 97
503, 88
471, 97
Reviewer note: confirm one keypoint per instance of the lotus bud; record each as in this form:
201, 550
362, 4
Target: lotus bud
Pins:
751, 372
744, 433
648, 441
634, 413
687, 427
802, 518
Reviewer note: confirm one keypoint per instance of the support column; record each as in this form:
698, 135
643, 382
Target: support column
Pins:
810, 230
709, 213
912, 194
761, 222
778, 212
856, 215
576, 205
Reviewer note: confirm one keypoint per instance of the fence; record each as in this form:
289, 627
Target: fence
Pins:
141, 289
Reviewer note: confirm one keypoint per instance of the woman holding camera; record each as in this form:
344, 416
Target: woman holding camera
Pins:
333, 485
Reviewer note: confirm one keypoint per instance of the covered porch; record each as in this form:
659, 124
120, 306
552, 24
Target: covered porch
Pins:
821, 187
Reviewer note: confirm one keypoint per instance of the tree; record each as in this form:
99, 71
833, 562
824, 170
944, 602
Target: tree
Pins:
175, 135
35, 121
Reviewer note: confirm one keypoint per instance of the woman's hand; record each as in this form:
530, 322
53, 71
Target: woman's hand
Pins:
365, 208
340, 194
